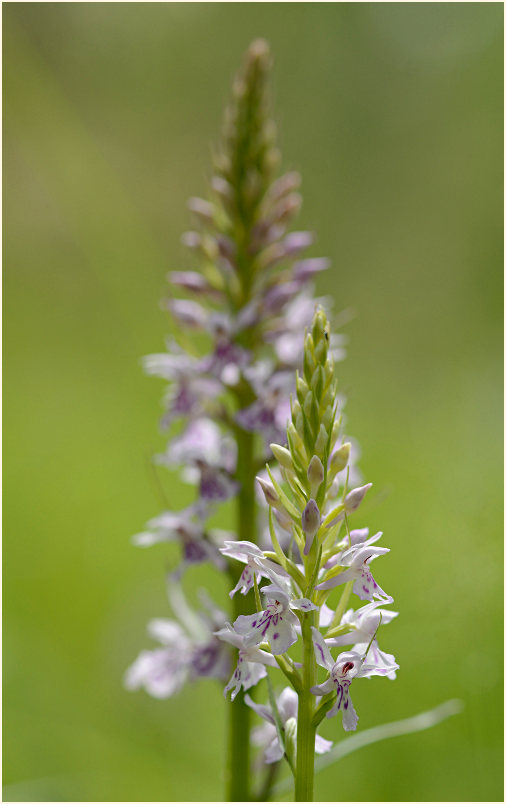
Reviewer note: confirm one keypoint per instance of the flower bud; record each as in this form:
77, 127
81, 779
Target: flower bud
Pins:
302, 389
340, 457
188, 312
321, 441
222, 187
297, 241
320, 351
291, 738
296, 440
210, 248
191, 240
315, 473
355, 497
308, 404
319, 322
299, 423
310, 521
203, 209
336, 429
282, 455
283, 519
327, 417
286, 208
309, 361
285, 184
295, 410
269, 491
305, 269
329, 368
317, 379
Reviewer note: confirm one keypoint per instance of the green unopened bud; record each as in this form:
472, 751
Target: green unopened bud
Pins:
299, 424
321, 441
318, 382
309, 361
315, 473
282, 455
295, 439
327, 416
336, 428
308, 404
320, 351
340, 457
291, 739
210, 248
296, 409
327, 400
319, 324
329, 368
310, 522
302, 389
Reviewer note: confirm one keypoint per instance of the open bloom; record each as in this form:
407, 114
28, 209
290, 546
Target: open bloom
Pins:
208, 457
163, 671
187, 528
190, 391
187, 652
357, 559
256, 564
202, 440
349, 665
275, 623
267, 736
270, 412
250, 662
365, 623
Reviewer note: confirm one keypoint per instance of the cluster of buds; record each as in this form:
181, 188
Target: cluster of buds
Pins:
312, 502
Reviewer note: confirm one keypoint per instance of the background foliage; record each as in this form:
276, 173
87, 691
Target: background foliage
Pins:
393, 114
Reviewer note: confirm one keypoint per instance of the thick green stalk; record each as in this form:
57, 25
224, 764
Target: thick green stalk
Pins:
238, 781
306, 732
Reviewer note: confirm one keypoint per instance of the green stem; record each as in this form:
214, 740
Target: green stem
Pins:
306, 731
238, 772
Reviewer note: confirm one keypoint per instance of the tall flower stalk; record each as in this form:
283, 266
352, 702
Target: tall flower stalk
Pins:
245, 387
314, 503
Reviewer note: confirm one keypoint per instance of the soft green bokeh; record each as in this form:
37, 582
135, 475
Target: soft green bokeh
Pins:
393, 114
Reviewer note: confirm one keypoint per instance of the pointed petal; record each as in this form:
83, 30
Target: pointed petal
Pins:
323, 689
273, 752
288, 703
303, 604
343, 577
263, 711
350, 717
321, 745
241, 550
322, 653
227, 634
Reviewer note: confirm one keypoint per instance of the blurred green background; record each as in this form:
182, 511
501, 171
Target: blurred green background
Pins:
393, 114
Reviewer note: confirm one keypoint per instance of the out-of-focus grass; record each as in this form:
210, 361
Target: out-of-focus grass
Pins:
393, 114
